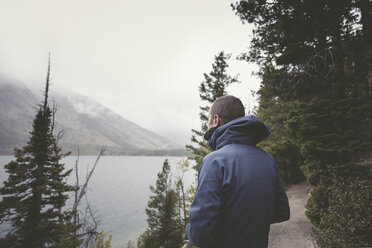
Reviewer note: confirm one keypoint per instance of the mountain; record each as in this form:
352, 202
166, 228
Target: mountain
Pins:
87, 125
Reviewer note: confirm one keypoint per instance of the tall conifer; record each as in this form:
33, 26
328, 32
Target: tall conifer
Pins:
36, 191
315, 61
164, 223
213, 87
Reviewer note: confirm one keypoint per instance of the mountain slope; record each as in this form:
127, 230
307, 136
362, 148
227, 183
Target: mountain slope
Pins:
87, 125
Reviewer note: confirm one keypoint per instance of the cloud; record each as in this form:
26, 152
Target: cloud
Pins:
142, 59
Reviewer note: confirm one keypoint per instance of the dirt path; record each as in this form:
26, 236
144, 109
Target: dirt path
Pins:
294, 233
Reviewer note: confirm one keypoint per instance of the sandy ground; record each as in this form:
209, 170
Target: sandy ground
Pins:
294, 233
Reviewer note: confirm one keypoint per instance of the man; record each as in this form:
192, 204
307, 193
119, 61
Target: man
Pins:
239, 192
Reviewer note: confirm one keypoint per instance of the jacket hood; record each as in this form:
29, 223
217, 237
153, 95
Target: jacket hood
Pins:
247, 130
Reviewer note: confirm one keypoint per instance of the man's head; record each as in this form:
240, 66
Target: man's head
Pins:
225, 109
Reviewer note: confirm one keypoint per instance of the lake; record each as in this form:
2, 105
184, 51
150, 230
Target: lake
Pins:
118, 190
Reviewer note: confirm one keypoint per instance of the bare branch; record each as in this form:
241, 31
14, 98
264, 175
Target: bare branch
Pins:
84, 188
59, 136
89, 230
306, 69
87, 221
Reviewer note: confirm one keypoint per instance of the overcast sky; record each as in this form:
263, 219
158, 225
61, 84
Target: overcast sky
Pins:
142, 59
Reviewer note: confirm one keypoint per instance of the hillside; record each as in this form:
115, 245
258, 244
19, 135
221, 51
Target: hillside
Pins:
86, 124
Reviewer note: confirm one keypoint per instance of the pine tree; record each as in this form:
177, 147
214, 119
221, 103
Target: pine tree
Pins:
35, 191
164, 223
183, 166
315, 61
102, 242
274, 112
213, 87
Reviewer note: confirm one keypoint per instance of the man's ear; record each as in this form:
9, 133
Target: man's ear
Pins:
217, 121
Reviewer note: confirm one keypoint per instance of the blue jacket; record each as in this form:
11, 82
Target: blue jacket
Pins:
239, 192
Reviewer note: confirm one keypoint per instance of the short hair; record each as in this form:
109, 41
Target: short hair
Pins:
228, 108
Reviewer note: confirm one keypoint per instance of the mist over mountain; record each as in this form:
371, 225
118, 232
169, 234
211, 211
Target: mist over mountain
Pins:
87, 125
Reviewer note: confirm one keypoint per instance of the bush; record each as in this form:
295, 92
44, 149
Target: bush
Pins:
347, 221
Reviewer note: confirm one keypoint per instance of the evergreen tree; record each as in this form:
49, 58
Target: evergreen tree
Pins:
35, 191
315, 61
213, 87
102, 242
183, 166
274, 113
164, 223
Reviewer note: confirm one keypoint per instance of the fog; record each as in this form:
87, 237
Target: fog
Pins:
142, 59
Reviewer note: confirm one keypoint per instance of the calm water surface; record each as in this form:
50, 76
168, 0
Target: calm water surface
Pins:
118, 190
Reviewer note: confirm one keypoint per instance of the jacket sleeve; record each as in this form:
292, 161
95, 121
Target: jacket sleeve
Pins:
281, 210
205, 207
